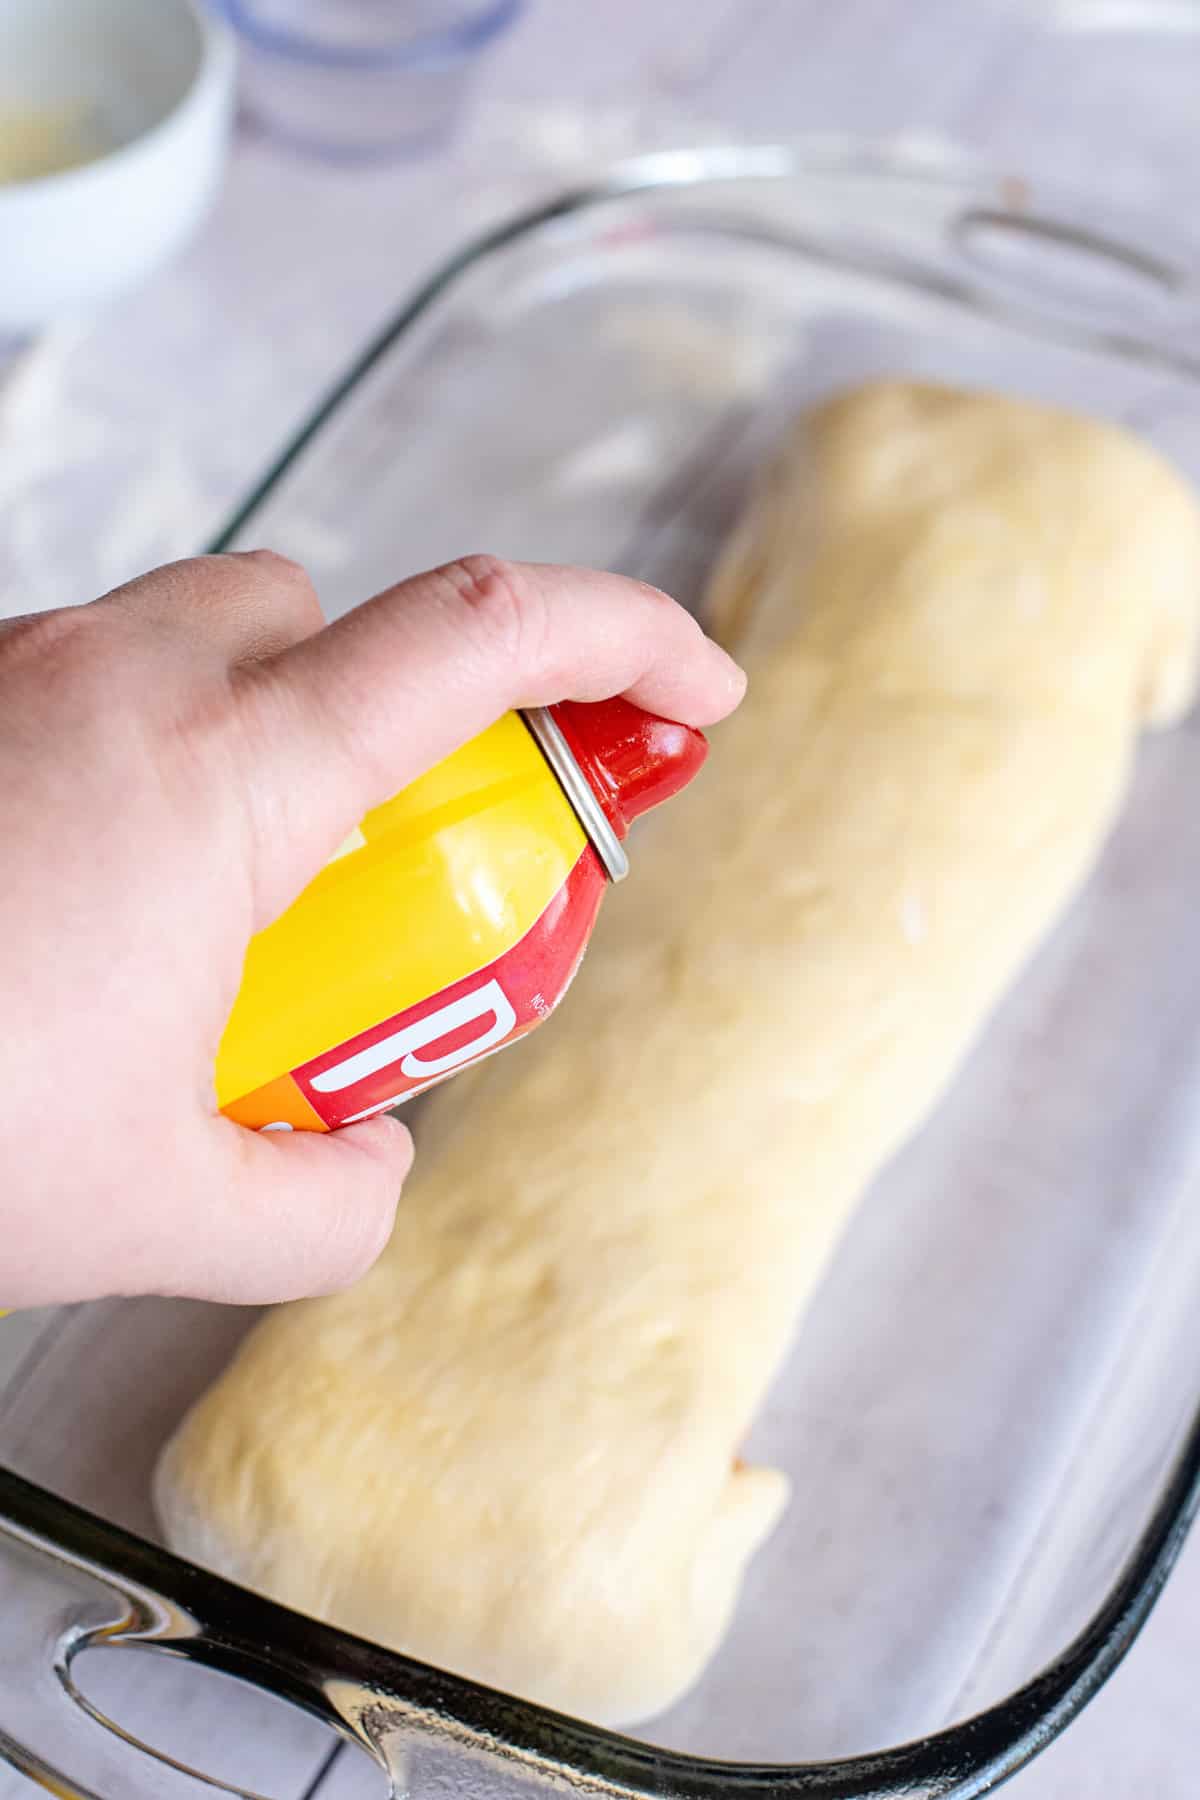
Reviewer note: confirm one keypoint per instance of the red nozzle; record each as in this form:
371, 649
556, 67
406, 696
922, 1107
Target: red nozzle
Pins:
633, 760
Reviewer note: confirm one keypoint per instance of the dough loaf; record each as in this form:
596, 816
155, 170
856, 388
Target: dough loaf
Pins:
511, 1450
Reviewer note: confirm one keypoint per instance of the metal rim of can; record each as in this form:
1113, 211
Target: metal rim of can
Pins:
548, 736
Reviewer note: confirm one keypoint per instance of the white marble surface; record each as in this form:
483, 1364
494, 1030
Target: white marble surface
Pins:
122, 442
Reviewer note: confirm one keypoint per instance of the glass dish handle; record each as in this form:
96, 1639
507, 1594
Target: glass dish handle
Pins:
58, 1600
1045, 255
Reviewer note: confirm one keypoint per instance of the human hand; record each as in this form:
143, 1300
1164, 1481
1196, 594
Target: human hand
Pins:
177, 761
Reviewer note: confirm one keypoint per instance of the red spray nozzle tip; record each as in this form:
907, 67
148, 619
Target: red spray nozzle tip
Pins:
633, 760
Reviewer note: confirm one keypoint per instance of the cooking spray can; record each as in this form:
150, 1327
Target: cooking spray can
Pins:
451, 922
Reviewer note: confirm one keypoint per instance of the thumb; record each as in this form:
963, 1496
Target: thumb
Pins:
290, 1214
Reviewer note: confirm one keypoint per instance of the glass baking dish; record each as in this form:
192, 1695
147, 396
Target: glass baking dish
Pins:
988, 1412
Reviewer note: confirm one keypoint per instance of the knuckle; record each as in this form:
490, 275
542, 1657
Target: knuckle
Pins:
286, 585
500, 603
284, 568
485, 584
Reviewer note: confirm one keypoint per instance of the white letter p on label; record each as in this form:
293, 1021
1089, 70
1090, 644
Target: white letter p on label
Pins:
404, 1046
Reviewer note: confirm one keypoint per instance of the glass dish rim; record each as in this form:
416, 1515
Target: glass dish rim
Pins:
285, 1653
830, 154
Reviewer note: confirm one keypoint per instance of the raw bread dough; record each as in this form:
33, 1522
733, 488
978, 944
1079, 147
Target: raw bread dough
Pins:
511, 1449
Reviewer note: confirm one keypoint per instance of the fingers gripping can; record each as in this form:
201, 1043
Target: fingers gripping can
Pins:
451, 922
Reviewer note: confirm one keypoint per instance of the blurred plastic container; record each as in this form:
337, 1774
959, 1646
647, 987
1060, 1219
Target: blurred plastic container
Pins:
363, 79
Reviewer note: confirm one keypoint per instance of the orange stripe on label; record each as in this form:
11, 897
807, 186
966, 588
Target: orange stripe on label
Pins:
280, 1102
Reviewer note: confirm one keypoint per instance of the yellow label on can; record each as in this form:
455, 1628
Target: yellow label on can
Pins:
448, 876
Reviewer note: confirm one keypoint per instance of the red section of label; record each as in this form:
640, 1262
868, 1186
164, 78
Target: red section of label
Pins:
463, 1023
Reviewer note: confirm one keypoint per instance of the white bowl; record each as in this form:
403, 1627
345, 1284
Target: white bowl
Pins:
145, 88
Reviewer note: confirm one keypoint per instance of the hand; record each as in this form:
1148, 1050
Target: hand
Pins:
177, 761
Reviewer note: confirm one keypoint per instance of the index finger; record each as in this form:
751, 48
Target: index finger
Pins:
350, 715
